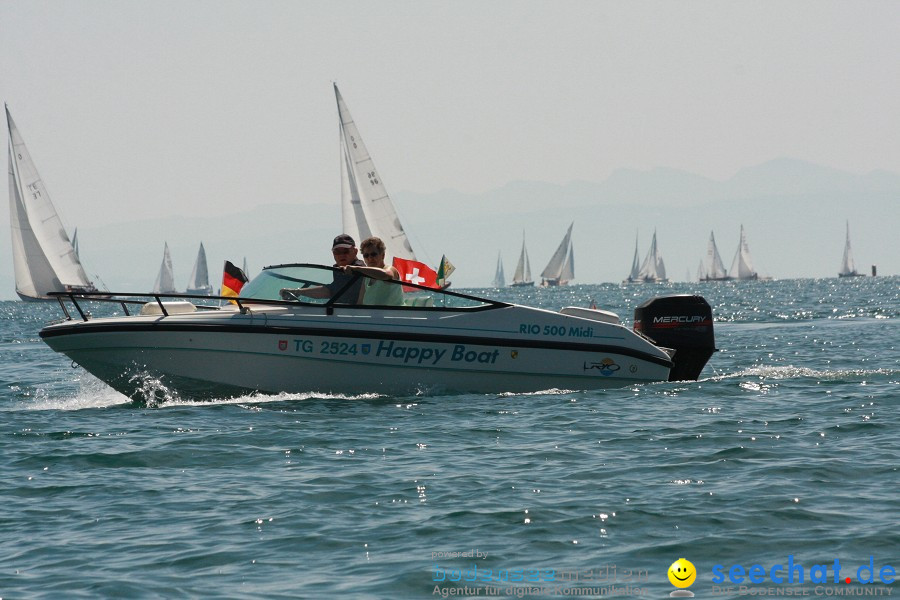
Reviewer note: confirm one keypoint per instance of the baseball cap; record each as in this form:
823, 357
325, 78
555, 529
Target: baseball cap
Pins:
343, 241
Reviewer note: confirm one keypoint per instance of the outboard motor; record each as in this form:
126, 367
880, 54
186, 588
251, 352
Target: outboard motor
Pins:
683, 323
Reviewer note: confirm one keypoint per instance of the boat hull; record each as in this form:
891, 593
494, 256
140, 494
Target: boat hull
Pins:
192, 359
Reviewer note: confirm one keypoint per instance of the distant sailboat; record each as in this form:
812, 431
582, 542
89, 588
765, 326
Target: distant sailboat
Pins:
44, 258
561, 268
714, 268
499, 276
742, 266
848, 267
165, 280
653, 269
366, 208
633, 276
199, 281
522, 276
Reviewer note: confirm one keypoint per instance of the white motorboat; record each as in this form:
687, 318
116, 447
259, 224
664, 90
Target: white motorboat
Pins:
437, 341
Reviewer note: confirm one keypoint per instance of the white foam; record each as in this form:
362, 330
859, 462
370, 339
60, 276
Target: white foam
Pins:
92, 393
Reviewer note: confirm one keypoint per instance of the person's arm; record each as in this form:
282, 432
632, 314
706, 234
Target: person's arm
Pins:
386, 273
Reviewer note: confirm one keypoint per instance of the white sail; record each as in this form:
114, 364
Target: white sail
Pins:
568, 271
660, 268
528, 278
353, 218
165, 280
499, 276
701, 272
848, 267
377, 215
653, 269
635, 264
199, 281
522, 275
560, 270
43, 256
75, 244
742, 265
715, 268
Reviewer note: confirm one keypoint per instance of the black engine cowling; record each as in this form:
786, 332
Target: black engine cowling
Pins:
683, 323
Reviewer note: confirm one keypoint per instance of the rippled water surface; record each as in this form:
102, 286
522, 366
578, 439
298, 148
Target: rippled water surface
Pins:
788, 446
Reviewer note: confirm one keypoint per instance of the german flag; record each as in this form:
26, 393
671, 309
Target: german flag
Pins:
233, 279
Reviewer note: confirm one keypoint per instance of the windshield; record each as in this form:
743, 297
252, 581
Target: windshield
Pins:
315, 284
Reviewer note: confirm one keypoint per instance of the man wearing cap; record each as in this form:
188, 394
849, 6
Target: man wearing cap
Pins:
344, 250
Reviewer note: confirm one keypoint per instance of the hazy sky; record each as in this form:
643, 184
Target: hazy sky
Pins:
134, 109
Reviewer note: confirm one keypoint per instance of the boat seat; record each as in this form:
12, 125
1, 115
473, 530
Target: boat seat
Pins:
593, 314
420, 301
178, 307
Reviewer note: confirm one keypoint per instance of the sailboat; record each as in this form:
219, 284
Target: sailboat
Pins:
199, 281
165, 280
499, 276
561, 268
633, 276
653, 269
742, 267
848, 267
43, 256
714, 268
522, 276
366, 208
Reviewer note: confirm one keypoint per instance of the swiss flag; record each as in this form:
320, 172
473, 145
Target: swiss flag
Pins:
415, 272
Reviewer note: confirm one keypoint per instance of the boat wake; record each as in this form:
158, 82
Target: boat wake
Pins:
548, 392
92, 393
792, 372
253, 401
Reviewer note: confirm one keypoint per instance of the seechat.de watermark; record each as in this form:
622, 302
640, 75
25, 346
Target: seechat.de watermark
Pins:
786, 578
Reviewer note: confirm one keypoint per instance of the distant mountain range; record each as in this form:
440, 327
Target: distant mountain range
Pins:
793, 212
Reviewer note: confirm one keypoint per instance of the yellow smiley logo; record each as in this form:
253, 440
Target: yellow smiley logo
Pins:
682, 573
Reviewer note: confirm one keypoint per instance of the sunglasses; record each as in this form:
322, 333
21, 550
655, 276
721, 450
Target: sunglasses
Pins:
340, 251
371, 254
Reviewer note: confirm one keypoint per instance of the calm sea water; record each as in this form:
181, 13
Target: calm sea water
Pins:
788, 446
